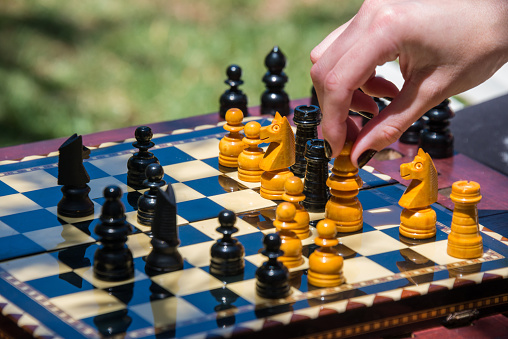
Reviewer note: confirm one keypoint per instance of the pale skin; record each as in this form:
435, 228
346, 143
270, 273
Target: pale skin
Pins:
444, 47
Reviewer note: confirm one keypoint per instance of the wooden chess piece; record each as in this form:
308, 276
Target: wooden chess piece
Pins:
465, 241
272, 277
294, 194
227, 253
344, 207
325, 263
231, 145
113, 260
436, 138
137, 163
249, 159
233, 97
418, 219
316, 192
285, 224
278, 157
274, 99
306, 118
147, 202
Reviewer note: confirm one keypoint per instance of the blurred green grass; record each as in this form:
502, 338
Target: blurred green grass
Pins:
86, 66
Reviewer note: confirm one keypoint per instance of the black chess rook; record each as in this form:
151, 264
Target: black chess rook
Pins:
315, 189
306, 119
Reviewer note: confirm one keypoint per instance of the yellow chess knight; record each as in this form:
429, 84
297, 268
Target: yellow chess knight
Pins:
418, 219
278, 157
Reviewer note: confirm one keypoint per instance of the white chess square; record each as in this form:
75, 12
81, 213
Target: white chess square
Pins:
190, 170
363, 269
16, 203
35, 267
87, 303
189, 281
30, 181
370, 243
202, 149
167, 312
242, 201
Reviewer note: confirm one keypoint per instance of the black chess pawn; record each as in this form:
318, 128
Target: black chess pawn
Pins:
272, 277
306, 119
315, 189
274, 99
164, 256
412, 134
233, 97
227, 253
147, 202
436, 139
113, 260
75, 202
381, 105
137, 164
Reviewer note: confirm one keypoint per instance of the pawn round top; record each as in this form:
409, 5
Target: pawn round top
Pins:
154, 172
252, 130
272, 242
234, 118
143, 134
465, 192
112, 193
327, 232
234, 72
275, 61
227, 218
286, 212
293, 185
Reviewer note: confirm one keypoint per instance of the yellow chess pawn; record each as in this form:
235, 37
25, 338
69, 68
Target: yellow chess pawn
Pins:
325, 263
465, 241
418, 219
231, 145
344, 207
249, 159
291, 244
293, 193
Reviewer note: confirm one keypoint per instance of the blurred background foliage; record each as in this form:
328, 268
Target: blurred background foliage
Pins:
69, 66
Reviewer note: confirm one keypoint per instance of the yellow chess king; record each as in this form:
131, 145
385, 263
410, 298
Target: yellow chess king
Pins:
418, 219
325, 264
465, 241
278, 157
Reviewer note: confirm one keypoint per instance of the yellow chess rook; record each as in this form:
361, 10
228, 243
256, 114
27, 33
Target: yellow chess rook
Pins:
464, 240
293, 193
291, 245
325, 263
231, 145
418, 219
278, 157
344, 207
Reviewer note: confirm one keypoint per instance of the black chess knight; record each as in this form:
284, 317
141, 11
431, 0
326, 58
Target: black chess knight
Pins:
75, 202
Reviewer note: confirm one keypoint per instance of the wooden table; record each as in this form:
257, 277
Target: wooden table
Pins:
493, 207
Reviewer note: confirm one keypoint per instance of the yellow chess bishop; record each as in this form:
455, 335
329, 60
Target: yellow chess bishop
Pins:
418, 219
325, 264
278, 157
291, 245
465, 241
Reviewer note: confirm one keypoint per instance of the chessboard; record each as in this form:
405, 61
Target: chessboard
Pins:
49, 290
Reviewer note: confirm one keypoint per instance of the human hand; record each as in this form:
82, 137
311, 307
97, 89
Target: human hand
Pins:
444, 48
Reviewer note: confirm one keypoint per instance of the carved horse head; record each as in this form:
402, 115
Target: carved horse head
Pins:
281, 151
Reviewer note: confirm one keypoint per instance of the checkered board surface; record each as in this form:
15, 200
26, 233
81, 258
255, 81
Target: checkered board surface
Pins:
47, 284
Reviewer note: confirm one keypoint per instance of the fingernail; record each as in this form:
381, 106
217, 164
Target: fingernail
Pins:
364, 158
328, 149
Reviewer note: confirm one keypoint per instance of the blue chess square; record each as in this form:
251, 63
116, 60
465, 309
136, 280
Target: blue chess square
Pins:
77, 256
171, 156
190, 235
125, 320
32, 220
93, 171
198, 209
6, 189
369, 200
45, 197
215, 185
16, 246
214, 162
252, 242
63, 284
216, 300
